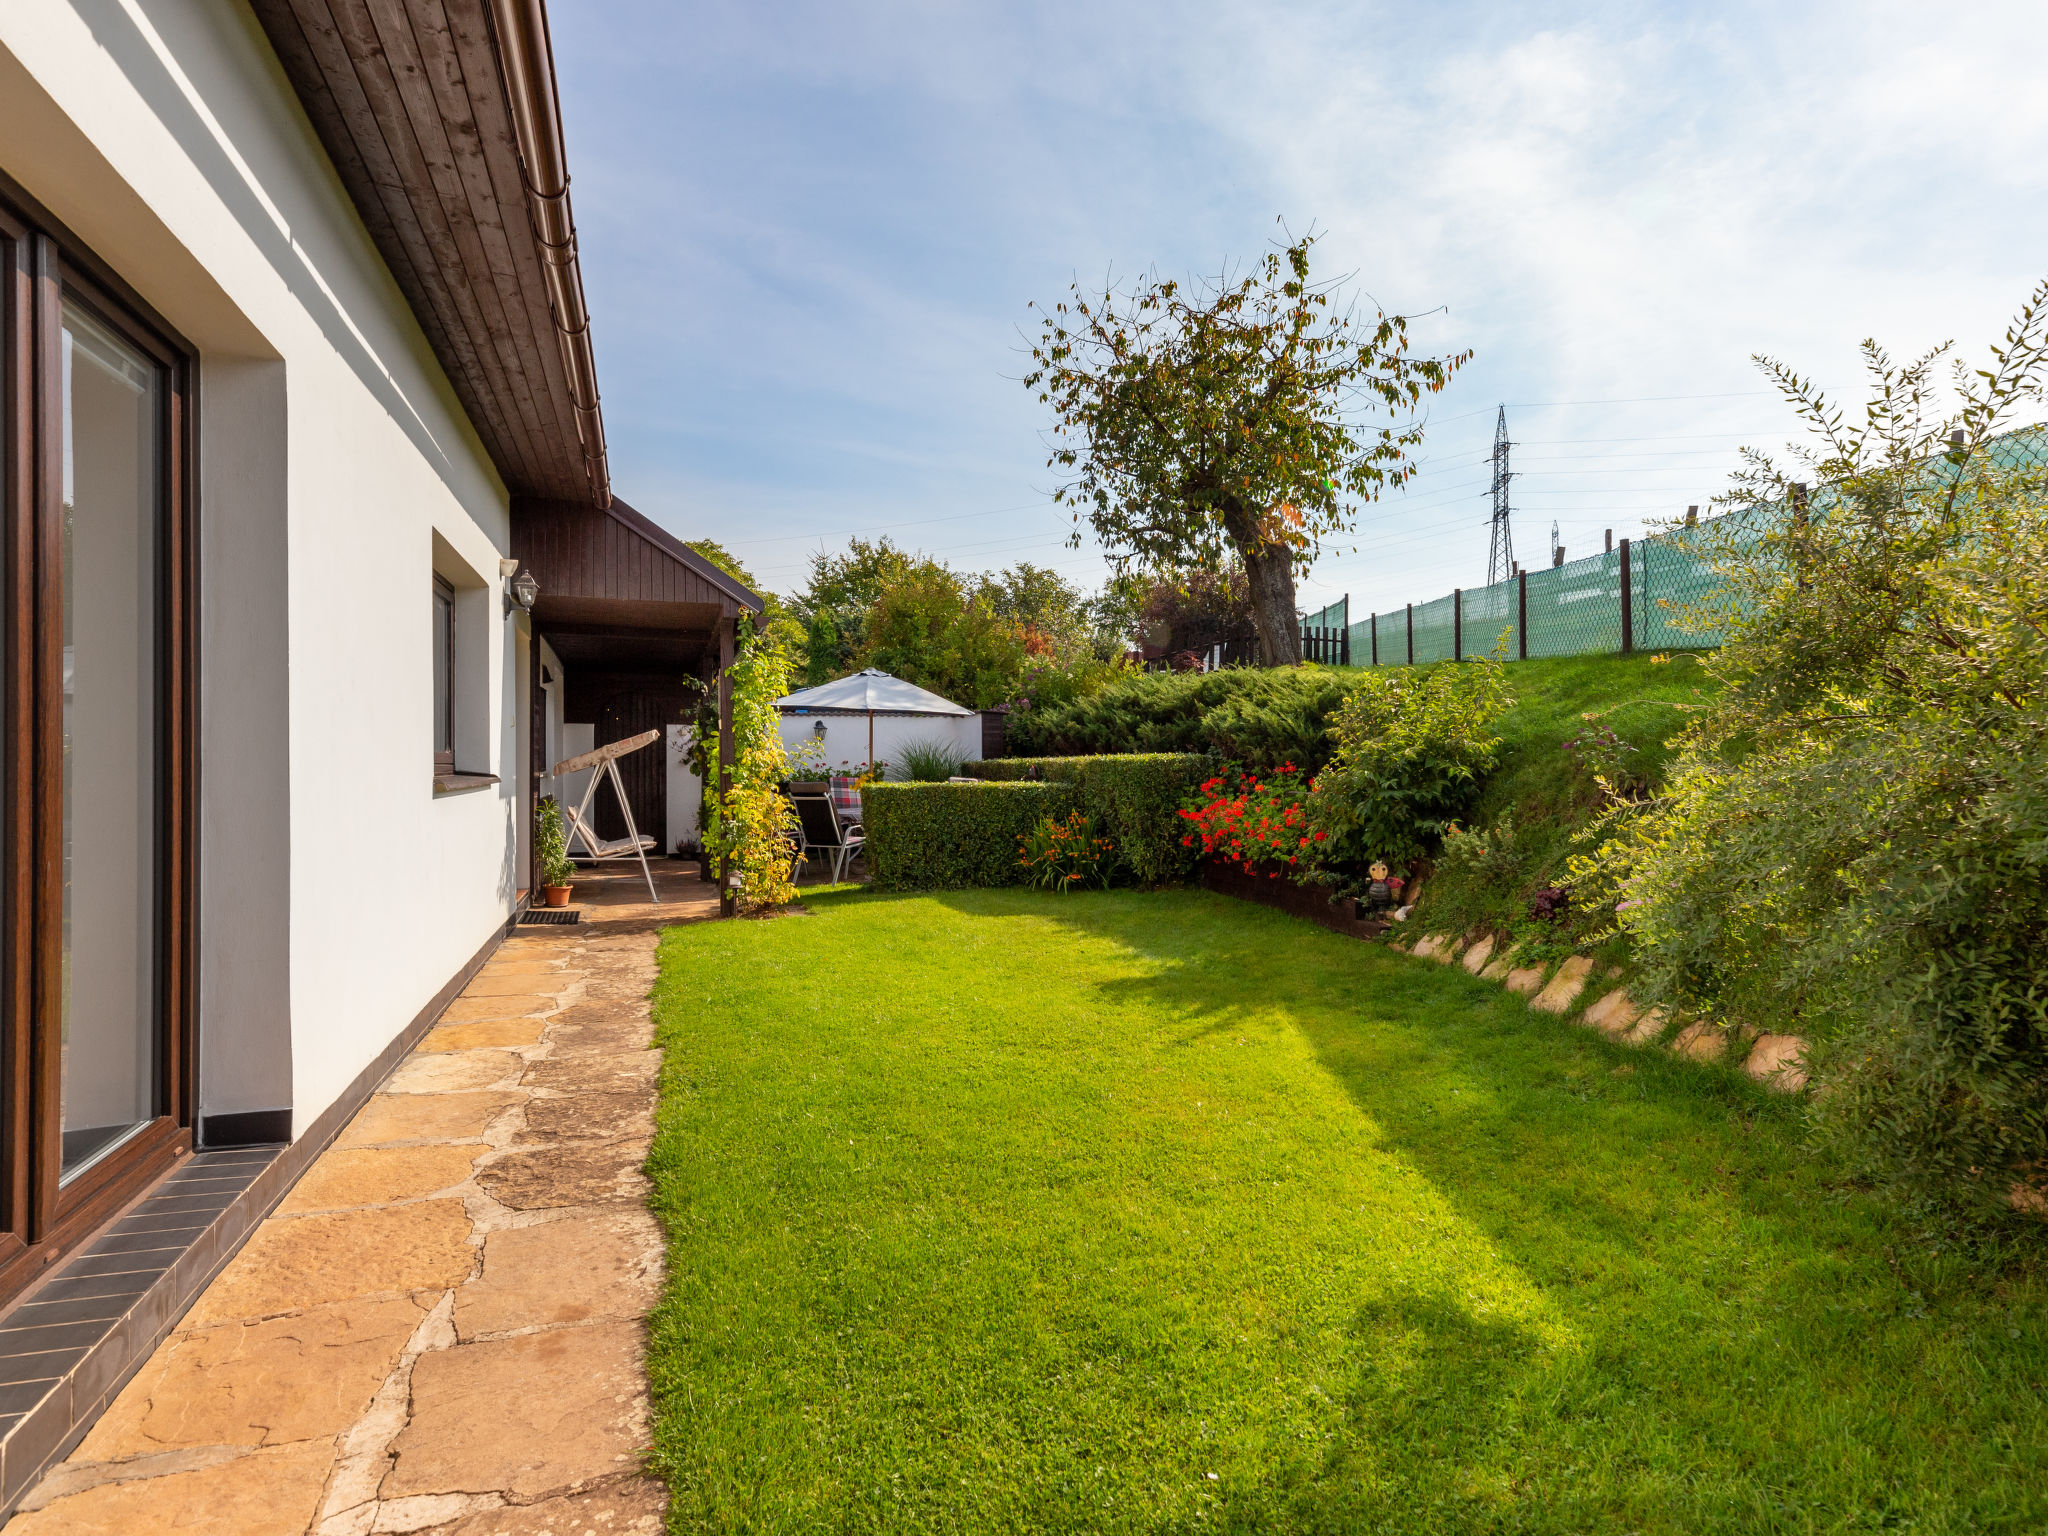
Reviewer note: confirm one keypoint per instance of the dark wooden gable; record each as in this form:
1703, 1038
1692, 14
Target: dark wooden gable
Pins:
578, 553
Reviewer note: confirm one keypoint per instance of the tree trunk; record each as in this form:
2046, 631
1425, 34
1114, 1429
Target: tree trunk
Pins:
1269, 573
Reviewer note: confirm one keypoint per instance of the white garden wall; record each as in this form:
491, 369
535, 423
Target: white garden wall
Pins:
847, 741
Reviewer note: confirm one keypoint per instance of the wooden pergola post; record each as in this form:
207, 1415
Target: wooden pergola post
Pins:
725, 653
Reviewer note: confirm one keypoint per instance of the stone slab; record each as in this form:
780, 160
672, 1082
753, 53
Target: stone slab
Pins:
1525, 982
483, 1034
462, 1071
634, 1507
1778, 1061
292, 1263
1701, 1042
480, 1426
487, 984
605, 1029
466, 1010
572, 1173
351, 1176
628, 1071
1477, 956
251, 1384
273, 1492
1648, 1029
1613, 1015
604, 1116
425, 1117
1499, 967
572, 1271
1563, 989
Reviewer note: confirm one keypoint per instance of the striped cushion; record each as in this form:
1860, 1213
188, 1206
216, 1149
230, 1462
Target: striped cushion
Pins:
846, 799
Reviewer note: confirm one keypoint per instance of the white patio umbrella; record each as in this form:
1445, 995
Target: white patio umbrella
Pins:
871, 693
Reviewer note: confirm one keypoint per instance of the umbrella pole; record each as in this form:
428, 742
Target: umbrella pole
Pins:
871, 741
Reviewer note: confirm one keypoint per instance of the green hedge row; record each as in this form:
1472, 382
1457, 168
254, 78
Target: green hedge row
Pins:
950, 836
1131, 798
1260, 717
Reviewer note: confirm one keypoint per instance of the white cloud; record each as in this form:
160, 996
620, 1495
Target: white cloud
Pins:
812, 231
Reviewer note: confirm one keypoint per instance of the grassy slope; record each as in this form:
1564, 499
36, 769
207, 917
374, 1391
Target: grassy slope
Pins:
1158, 1212
1548, 792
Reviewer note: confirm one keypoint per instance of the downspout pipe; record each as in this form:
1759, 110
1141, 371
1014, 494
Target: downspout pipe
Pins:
526, 63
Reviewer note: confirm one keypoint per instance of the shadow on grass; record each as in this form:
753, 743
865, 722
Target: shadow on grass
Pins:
1661, 1206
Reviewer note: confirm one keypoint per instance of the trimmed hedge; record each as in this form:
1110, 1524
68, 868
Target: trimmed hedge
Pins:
1260, 717
923, 837
1131, 798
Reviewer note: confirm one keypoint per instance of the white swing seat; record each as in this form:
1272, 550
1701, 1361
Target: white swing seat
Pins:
599, 848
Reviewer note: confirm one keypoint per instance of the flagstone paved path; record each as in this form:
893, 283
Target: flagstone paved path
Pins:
440, 1328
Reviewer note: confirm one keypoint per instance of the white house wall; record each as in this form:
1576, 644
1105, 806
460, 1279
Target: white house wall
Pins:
339, 893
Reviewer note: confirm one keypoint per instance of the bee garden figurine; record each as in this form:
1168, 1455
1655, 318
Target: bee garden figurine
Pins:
1385, 891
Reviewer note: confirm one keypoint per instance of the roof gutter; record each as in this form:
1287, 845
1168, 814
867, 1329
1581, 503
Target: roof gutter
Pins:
526, 63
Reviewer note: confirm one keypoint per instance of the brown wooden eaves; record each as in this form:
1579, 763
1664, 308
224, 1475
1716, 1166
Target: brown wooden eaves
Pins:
413, 106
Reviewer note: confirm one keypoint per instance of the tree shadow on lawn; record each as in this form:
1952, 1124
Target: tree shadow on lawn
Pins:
1753, 1348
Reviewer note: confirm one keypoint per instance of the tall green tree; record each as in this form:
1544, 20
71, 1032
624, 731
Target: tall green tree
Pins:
1220, 417
837, 598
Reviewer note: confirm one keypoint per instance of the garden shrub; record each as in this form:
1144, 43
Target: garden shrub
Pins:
1854, 842
1413, 745
754, 822
1131, 798
954, 836
1059, 854
1258, 717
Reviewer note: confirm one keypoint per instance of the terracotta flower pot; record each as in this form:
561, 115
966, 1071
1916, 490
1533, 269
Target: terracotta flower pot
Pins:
558, 895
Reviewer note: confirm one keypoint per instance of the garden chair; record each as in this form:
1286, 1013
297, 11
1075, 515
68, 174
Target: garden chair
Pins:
823, 832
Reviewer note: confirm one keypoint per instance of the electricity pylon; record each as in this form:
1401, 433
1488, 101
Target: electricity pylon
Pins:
1500, 557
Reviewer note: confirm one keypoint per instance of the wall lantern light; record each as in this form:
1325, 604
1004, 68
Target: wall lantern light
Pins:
818, 729
522, 591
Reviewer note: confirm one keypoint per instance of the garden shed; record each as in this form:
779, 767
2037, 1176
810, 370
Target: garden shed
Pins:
872, 717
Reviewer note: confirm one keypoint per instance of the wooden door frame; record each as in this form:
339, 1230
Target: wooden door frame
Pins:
39, 1218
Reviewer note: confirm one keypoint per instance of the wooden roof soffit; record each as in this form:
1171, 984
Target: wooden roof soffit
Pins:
443, 122
527, 58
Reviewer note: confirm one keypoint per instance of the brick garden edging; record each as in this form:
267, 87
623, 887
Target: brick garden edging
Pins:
1776, 1061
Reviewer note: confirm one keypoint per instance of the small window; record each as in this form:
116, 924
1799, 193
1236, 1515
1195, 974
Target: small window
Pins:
444, 677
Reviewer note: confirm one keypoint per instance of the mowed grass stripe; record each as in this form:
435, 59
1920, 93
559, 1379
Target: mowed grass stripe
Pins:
1157, 1212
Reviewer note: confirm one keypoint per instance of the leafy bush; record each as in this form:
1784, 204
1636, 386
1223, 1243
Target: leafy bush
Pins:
1132, 798
754, 824
1058, 855
931, 762
952, 836
550, 845
1854, 844
1413, 744
1258, 717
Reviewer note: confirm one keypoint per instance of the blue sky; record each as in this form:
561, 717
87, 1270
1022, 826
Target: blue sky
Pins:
811, 232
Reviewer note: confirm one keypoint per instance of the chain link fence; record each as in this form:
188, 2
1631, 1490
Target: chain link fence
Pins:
1629, 598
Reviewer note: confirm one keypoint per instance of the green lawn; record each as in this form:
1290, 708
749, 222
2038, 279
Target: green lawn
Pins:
1159, 1212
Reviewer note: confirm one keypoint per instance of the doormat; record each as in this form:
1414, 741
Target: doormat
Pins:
551, 915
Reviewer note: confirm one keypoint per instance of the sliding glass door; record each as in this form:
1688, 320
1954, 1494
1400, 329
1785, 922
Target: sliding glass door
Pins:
97, 693
110, 1078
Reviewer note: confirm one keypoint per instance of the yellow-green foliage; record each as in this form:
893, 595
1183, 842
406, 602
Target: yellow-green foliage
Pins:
753, 824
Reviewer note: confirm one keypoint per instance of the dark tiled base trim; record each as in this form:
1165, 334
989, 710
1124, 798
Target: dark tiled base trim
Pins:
68, 1348
72, 1342
245, 1128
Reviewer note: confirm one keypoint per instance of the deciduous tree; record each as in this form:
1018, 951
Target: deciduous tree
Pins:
1246, 416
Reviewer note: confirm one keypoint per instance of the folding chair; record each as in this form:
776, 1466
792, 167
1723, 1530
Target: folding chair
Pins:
823, 831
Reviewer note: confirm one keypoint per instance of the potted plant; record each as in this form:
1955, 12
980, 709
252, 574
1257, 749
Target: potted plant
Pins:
553, 849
